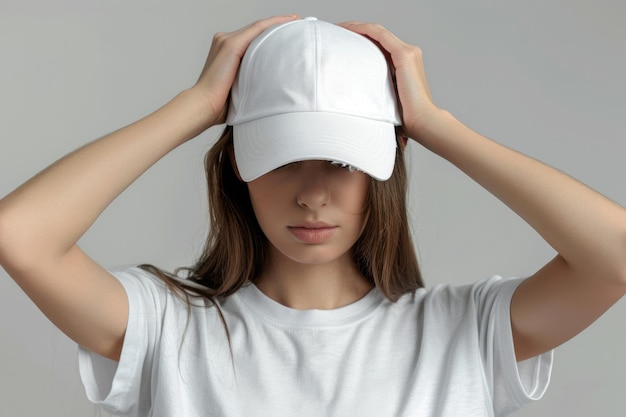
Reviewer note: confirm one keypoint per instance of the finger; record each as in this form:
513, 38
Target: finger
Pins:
378, 33
402, 53
225, 54
230, 47
254, 29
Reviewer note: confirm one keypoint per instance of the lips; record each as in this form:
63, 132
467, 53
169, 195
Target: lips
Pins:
313, 232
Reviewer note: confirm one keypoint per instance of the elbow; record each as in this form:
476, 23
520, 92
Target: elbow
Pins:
5, 239
623, 263
13, 248
607, 262
621, 274
4, 236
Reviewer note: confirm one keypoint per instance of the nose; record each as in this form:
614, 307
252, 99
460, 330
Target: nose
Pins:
314, 191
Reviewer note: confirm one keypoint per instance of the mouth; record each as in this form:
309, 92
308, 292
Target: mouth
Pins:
313, 233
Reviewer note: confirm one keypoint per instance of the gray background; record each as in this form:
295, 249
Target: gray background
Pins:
543, 77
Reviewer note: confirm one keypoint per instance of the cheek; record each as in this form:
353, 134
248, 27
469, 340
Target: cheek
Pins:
266, 202
259, 200
353, 196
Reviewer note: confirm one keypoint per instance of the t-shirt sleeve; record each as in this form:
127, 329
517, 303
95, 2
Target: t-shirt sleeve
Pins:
512, 384
124, 387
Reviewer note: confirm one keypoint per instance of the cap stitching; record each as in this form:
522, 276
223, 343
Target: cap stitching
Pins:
258, 44
316, 39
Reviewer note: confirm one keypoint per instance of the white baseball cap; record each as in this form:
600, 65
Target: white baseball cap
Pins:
309, 89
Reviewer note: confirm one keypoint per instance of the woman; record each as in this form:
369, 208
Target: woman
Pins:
321, 322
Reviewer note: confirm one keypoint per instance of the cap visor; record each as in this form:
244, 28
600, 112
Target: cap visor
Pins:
265, 144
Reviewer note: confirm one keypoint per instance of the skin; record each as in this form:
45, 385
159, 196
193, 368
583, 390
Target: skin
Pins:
289, 203
49, 213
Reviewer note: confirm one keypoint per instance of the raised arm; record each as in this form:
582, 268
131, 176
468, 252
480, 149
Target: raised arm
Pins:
42, 220
587, 230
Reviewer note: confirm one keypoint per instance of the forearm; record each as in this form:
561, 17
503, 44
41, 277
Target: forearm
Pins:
49, 213
587, 229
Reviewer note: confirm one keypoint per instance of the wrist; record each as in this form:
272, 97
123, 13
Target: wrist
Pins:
431, 127
198, 115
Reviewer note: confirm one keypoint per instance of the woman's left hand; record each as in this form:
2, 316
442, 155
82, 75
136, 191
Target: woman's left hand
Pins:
407, 63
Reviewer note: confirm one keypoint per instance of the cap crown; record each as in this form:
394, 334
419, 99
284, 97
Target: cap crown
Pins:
312, 66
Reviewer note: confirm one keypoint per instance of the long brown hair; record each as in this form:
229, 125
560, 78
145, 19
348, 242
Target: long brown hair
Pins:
236, 249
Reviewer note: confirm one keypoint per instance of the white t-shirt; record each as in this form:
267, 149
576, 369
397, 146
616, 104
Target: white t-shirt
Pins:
447, 351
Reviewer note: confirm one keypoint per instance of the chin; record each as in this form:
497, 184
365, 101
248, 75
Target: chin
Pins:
314, 255
313, 259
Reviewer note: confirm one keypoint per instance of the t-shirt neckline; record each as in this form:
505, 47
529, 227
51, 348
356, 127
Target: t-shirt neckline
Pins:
279, 314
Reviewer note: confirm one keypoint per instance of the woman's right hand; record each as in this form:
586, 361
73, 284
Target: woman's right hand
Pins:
222, 63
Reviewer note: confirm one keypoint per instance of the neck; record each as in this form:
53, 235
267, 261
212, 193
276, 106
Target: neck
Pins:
313, 286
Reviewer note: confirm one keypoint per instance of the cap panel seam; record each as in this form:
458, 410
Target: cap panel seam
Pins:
316, 49
288, 74
251, 60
